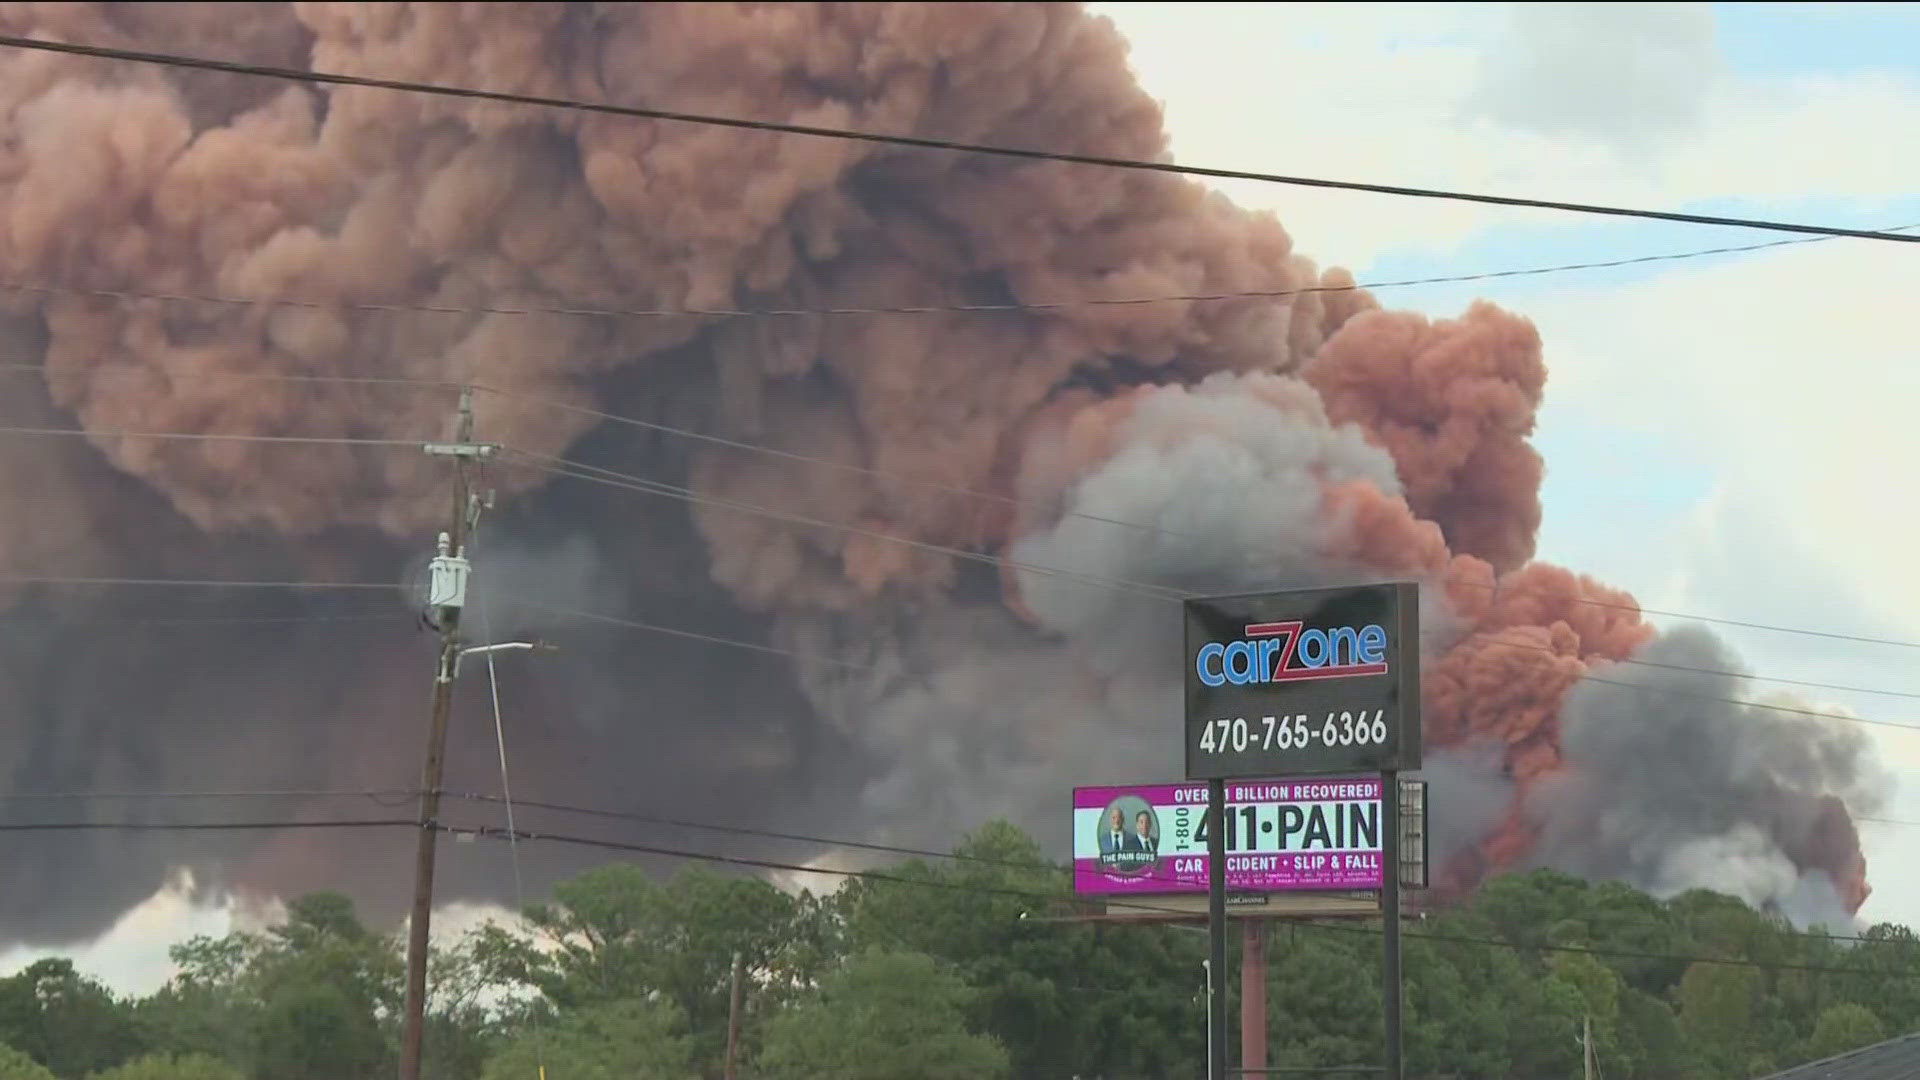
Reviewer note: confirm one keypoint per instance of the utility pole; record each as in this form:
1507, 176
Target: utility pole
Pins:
1391, 980
1217, 930
1253, 996
447, 595
1589, 1068
733, 1011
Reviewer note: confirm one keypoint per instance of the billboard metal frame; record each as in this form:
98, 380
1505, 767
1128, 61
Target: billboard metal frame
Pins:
1304, 682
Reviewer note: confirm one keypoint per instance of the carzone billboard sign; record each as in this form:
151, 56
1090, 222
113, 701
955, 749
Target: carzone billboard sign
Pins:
1306, 682
1281, 836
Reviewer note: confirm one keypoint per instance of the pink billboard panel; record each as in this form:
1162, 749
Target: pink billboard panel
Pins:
1307, 835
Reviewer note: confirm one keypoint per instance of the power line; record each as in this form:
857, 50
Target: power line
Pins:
577, 470
1131, 904
561, 465
1725, 672
506, 798
792, 654
689, 433
135, 621
400, 796
1031, 306
211, 436
711, 639
189, 583
1152, 592
888, 849
198, 826
593, 473
1495, 586
382, 795
294, 75
296, 377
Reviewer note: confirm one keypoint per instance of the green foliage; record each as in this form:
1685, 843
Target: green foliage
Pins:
884, 1016
16, 1065
1062, 998
617, 935
66, 1022
1841, 1028
612, 1040
171, 1067
966, 968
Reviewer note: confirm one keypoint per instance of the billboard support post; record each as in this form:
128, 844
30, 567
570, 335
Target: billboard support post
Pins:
1217, 929
1390, 974
1253, 996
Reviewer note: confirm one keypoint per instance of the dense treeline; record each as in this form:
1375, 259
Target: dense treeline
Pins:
956, 970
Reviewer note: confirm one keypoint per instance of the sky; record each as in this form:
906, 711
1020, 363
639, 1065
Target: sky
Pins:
1721, 433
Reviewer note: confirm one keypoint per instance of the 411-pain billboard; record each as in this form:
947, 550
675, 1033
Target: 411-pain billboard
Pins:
1302, 835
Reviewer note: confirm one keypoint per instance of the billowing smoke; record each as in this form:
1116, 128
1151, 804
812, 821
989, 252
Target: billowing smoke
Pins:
1670, 783
1117, 456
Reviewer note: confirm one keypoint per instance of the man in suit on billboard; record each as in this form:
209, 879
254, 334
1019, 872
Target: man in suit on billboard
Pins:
1113, 838
1142, 839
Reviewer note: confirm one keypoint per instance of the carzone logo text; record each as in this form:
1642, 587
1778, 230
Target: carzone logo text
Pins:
1282, 652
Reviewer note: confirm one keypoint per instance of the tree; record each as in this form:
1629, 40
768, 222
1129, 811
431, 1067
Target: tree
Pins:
1717, 1005
617, 935
884, 1016
1843, 1027
1324, 1000
1063, 999
461, 1031
15, 1065
207, 1009
170, 1067
618, 1040
68, 1023
604, 927
1651, 1034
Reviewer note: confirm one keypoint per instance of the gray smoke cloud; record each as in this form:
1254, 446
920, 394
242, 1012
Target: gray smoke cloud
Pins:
1468, 794
1673, 784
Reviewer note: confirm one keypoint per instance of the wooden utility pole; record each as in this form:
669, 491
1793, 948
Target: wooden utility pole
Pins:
733, 1011
1588, 1065
447, 595
1253, 995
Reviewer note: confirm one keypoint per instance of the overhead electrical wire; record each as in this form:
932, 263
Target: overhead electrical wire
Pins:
395, 797
33, 579
383, 796
506, 799
593, 473
578, 470
581, 471
565, 467
596, 474
189, 583
810, 657
30, 579
1017, 502
135, 622
295, 75
1012, 306
197, 826
1142, 907
1139, 906
387, 797
885, 849
215, 436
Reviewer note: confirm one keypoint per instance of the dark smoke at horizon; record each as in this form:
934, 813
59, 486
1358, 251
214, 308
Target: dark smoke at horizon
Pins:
1264, 442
